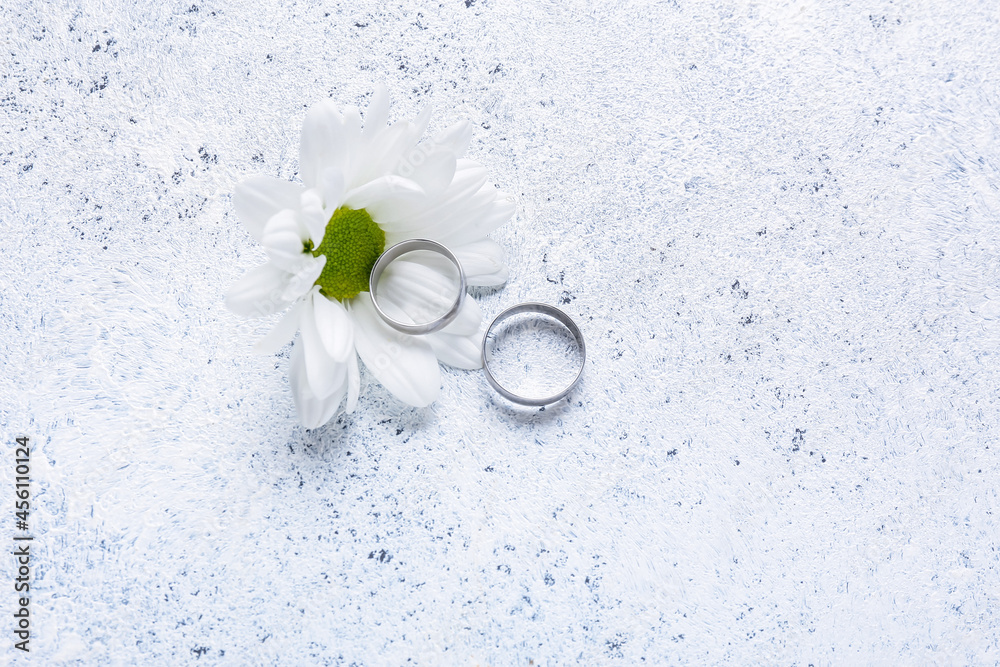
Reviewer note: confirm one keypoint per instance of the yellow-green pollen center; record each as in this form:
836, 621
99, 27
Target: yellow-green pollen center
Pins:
352, 243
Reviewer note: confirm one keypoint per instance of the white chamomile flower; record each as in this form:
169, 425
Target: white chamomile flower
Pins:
362, 191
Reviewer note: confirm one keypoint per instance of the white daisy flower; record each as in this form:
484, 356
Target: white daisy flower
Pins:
362, 191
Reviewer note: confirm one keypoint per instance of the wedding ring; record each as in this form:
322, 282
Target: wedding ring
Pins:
391, 255
541, 309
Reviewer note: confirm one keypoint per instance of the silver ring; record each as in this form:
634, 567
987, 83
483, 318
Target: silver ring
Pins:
396, 251
544, 309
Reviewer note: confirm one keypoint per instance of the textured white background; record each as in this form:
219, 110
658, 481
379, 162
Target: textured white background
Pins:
776, 222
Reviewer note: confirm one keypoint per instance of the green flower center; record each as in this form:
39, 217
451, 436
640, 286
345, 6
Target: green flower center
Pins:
352, 243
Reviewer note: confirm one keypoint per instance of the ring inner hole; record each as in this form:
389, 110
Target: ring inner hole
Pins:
418, 287
533, 355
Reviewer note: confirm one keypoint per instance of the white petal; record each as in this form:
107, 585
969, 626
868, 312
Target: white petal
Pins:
456, 138
323, 142
405, 365
352, 125
491, 279
390, 147
335, 328
308, 270
422, 291
470, 176
386, 188
417, 303
378, 112
353, 382
420, 123
259, 292
433, 171
483, 262
313, 412
282, 240
463, 189
325, 375
465, 163
383, 152
467, 321
332, 186
460, 213
501, 210
312, 214
457, 351
355, 146
458, 344
259, 197
282, 332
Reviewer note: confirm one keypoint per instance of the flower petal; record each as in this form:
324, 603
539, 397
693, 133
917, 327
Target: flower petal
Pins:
433, 171
457, 351
467, 321
313, 412
259, 292
456, 138
323, 143
282, 240
457, 344
353, 382
459, 214
483, 262
325, 375
410, 294
405, 365
331, 184
282, 332
383, 152
352, 126
259, 197
377, 114
422, 291
388, 147
387, 188
335, 328
308, 270
420, 123
500, 211
312, 214
500, 277
456, 199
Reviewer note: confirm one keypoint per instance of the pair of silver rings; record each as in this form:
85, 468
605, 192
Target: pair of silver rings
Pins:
419, 328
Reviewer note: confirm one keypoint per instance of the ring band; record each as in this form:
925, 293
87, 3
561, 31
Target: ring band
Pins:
544, 309
395, 252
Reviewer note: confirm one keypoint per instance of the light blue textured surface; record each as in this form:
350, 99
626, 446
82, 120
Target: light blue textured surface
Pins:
777, 224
